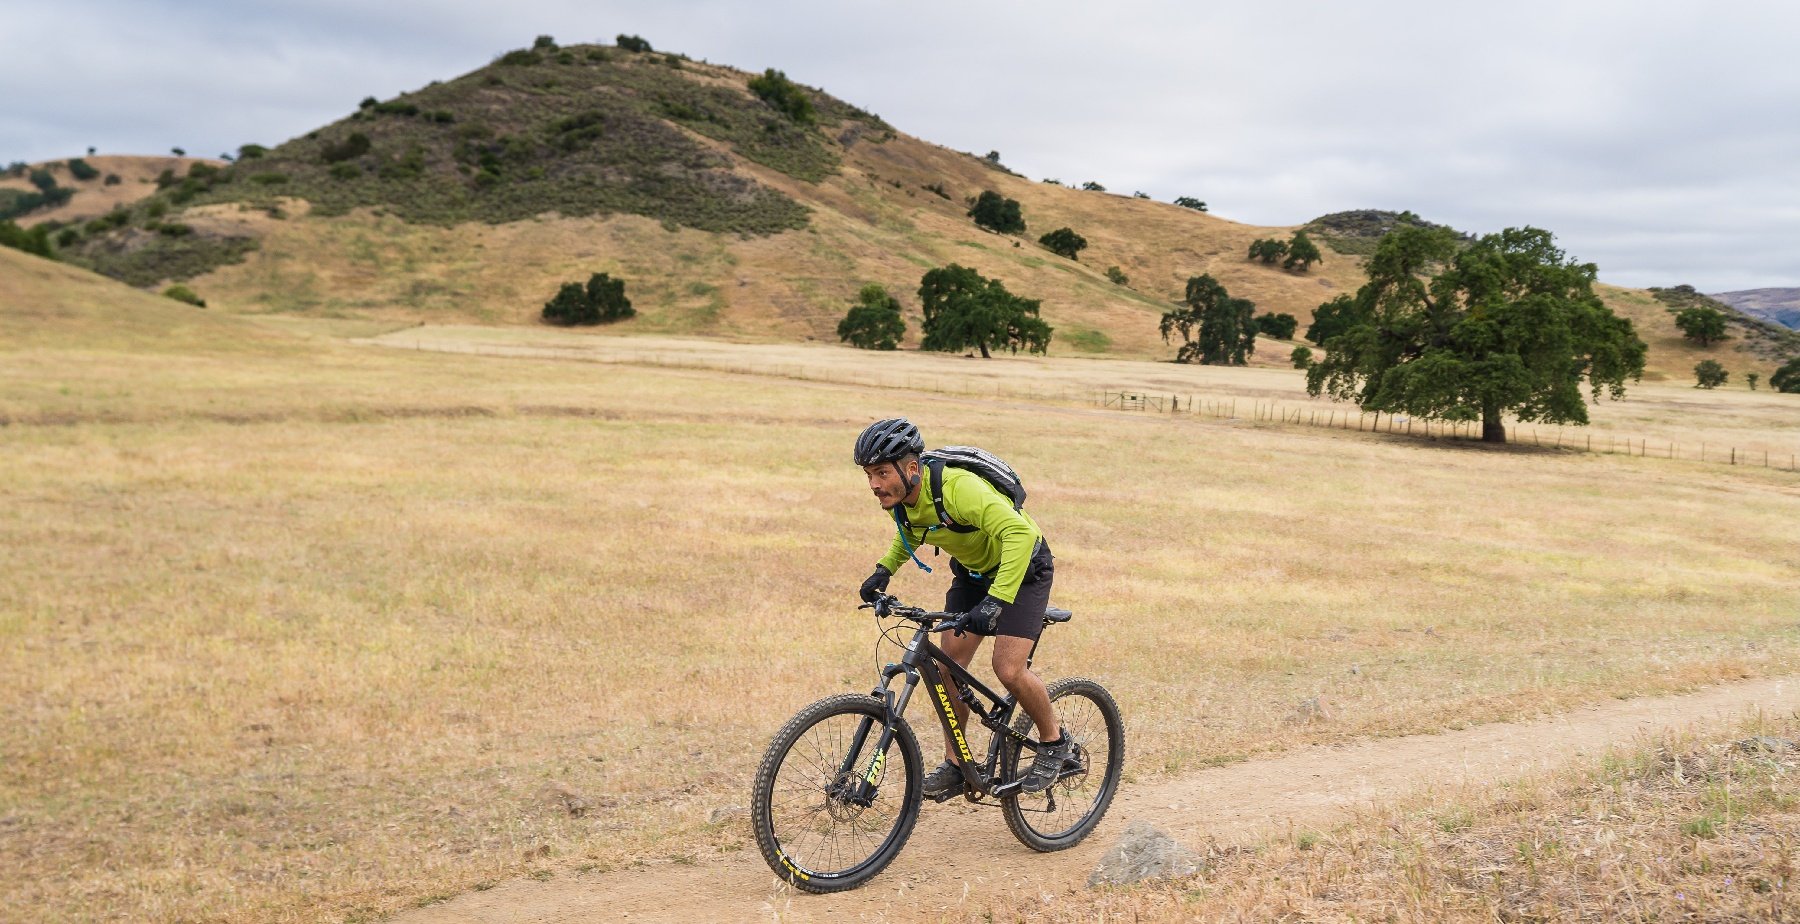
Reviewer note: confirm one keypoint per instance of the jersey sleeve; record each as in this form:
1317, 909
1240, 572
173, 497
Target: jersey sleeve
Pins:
896, 555
976, 503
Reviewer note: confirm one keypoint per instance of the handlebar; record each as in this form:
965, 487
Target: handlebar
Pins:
889, 605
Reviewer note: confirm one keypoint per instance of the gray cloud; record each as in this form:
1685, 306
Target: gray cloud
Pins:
1656, 138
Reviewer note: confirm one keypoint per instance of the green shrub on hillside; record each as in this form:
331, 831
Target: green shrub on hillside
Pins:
1751, 378
1117, 276
68, 237
33, 241
182, 293
633, 43
1709, 373
251, 151
544, 43
873, 322
1189, 202
113, 179
518, 58
354, 146
787, 98
1301, 357
1092, 186
161, 258
997, 213
81, 169
1064, 242
601, 301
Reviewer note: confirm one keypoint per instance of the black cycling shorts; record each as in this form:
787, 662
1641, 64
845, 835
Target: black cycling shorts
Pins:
1024, 617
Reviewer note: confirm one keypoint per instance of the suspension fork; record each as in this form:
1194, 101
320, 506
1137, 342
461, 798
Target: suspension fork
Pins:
868, 777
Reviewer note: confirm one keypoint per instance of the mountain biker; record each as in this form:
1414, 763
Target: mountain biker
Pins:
1002, 570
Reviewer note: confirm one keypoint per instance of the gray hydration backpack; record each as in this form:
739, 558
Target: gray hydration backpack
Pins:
990, 467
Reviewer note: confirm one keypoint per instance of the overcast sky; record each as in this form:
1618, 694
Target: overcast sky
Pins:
1658, 139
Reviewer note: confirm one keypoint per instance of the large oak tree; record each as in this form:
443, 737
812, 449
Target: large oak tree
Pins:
1504, 325
966, 310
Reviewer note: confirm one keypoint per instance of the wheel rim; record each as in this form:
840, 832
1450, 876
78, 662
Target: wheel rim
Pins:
818, 827
1060, 810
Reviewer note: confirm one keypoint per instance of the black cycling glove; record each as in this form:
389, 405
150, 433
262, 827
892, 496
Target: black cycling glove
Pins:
985, 617
876, 584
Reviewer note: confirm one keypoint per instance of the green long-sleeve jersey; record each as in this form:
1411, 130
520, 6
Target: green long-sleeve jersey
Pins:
1000, 545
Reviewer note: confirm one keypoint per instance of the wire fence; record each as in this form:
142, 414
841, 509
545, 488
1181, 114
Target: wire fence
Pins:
1144, 401
1335, 418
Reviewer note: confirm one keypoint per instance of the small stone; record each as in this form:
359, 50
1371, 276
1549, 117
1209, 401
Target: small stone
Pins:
1763, 744
726, 813
1144, 852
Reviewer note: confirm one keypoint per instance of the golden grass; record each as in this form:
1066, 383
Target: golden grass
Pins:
1686, 827
93, 198
303, 633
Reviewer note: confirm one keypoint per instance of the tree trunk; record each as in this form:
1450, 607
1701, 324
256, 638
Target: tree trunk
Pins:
1491, 429
984, 352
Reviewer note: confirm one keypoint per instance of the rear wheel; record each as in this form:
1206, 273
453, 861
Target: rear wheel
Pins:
828, 818
1060, 817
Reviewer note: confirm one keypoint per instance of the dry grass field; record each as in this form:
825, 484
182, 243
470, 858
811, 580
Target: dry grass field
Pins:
1700, 826
294, 629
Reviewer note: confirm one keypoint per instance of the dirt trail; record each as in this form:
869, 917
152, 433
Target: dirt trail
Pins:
1310, 787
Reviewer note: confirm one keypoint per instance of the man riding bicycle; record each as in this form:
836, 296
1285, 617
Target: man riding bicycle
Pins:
1002, 571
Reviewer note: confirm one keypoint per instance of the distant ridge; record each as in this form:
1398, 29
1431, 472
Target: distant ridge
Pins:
1780, 306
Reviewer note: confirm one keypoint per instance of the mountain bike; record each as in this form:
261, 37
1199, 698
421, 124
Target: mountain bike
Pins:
840, 788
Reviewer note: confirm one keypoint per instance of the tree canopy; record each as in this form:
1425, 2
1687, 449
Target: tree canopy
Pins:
1064, 242
1505, 325
997, 213
1268, 250
1710, 373
1277, 326
1302, 253
1189, 202
1215, 328
602, 300
1702, 324
1330, 319
784, 95
965, 310
1787, 378
873, 322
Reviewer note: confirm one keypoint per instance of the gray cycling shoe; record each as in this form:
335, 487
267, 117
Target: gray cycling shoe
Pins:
1048, 765
946, 779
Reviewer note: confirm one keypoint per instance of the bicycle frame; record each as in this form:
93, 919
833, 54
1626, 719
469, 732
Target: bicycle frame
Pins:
925, 662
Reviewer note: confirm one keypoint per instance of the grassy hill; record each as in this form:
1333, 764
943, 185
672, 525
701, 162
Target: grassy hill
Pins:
47, 305
473, 199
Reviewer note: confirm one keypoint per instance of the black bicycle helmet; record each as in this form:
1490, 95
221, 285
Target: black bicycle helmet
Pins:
888, 441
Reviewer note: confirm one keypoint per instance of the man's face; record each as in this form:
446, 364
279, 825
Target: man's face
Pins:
887, 483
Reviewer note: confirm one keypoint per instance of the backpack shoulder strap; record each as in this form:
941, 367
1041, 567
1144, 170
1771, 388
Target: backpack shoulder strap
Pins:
936, 467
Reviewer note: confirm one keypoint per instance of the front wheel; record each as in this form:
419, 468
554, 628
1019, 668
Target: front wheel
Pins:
1059, 817
830, 811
